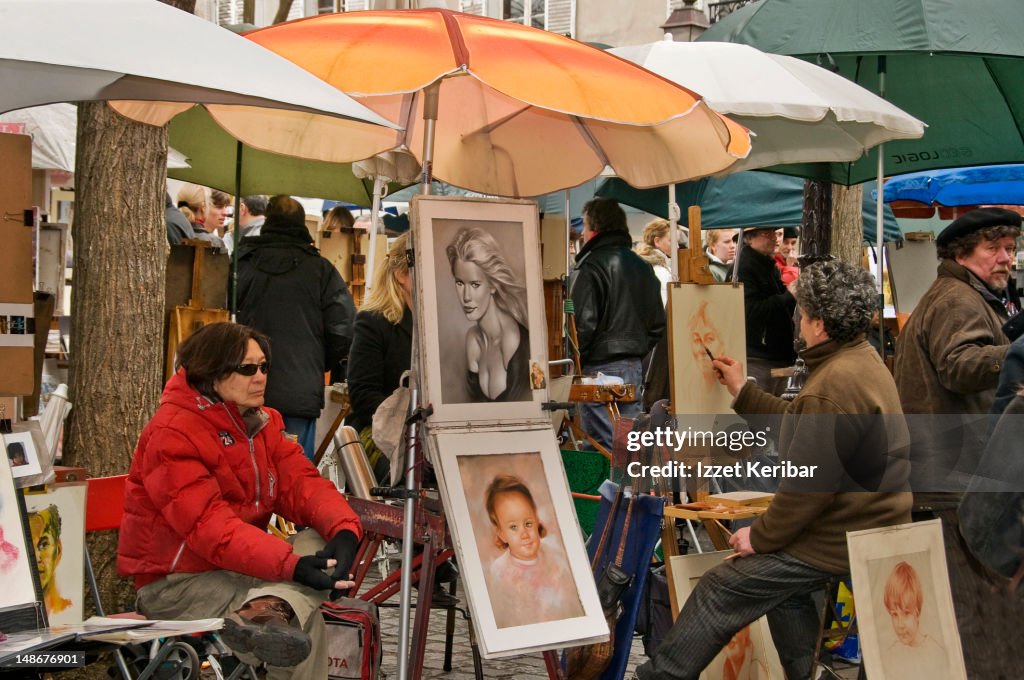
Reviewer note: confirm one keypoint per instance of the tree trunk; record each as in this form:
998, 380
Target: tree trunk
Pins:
816, 234
283, 7
848, 223
120, 256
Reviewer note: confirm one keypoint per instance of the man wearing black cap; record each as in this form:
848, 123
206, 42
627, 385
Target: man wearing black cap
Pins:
948, 359
949, 354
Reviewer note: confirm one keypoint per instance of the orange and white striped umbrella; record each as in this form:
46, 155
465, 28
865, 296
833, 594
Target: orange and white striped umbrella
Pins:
521, 111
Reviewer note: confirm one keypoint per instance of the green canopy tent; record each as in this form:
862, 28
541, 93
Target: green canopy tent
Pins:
744, 199
957, 66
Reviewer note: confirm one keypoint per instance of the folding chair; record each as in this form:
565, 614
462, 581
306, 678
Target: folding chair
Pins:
167, 659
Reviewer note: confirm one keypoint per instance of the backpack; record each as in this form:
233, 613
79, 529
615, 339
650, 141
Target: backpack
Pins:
654, 619
353, 639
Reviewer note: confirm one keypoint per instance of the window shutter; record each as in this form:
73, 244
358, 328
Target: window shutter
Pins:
229, 12
478, 7
297, 10
356, 5
561, 17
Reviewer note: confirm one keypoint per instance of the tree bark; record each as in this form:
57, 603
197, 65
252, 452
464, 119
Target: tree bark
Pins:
283, 7
816, 233
120, 256
848, 223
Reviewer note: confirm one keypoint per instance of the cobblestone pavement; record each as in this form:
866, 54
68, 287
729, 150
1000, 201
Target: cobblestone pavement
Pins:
526, 666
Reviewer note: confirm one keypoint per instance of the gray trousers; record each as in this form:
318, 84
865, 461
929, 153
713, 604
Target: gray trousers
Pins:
215, 594
730, 597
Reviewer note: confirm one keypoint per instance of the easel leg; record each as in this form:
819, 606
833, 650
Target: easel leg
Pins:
553, 665
449, 629
422, 618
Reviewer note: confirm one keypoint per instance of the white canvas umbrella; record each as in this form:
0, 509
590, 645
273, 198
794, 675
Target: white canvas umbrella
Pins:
86, 50
799, 112
53, 129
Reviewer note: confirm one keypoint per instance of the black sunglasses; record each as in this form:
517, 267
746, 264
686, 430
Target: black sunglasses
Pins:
249, 370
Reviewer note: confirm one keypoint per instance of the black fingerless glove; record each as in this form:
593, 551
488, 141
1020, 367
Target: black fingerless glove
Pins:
343, 549
309, 571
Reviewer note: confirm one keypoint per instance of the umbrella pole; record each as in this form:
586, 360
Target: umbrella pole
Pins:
430, 96
237, 228
378, 190
568, 246
413, 449
880, 223
673, 230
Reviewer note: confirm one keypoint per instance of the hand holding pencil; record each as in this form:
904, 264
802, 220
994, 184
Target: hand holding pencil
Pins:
740, 542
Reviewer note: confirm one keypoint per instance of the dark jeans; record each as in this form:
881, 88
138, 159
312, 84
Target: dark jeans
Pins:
730, 597
596, 421
304, 429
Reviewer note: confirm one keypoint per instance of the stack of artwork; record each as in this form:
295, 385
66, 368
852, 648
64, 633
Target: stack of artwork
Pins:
482, 348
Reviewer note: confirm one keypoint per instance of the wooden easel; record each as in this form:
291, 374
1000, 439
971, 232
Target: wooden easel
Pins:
693, 263
186, 319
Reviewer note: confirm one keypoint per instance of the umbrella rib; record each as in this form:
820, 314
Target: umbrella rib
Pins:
455, 37
1003, 94
586, 134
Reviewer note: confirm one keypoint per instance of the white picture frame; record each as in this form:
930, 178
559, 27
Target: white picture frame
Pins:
751, 652
929, 645
56, 520
553, 607
450, 330
22, 454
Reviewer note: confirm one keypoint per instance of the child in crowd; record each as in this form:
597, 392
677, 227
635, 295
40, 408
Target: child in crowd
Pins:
530, 582
914, 654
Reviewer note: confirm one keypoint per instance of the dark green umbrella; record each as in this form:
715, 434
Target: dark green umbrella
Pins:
743, 199
956, 66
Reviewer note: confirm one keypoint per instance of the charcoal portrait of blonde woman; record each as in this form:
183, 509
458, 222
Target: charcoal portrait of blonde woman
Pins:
483, 319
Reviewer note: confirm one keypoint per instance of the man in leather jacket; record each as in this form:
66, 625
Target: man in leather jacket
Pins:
619, 314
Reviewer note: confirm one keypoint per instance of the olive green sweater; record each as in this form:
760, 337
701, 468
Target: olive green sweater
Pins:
836, 423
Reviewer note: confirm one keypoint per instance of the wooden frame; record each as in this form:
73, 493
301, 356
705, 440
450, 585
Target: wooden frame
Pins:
446, 321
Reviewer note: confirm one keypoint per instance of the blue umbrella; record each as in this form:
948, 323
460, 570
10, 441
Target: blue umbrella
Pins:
978, 185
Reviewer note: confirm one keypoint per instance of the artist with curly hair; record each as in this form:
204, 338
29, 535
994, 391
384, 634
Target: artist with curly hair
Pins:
847, 430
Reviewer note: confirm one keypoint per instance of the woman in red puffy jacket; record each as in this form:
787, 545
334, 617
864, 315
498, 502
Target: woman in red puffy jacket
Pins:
210, 469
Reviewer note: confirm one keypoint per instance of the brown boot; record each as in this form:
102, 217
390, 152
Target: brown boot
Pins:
262, 627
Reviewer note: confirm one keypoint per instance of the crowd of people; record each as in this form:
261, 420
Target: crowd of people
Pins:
232, 440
